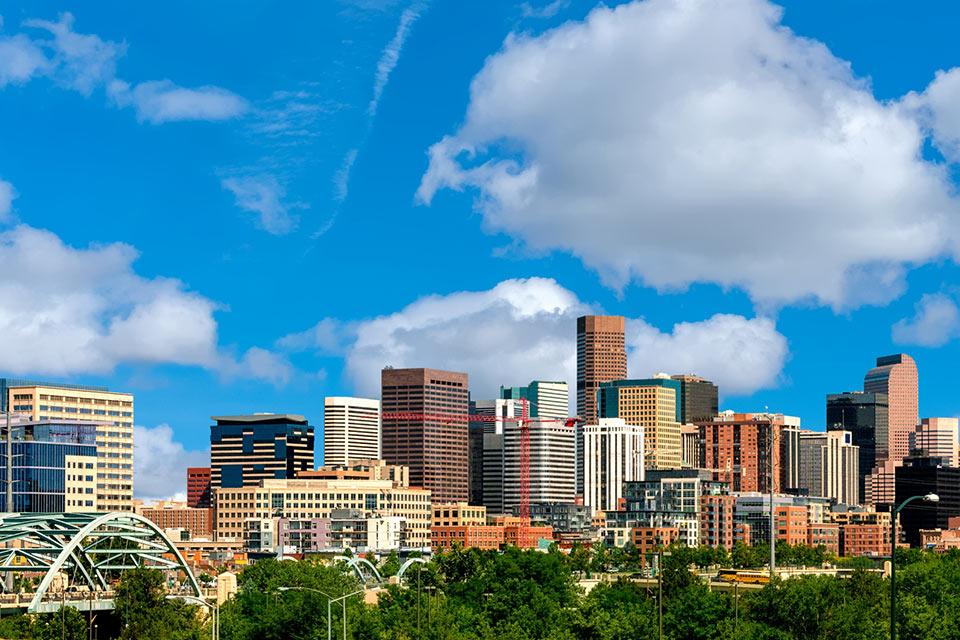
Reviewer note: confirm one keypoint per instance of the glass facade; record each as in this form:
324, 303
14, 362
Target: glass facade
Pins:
39, 474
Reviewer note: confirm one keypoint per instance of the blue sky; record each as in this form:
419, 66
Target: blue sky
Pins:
227, 208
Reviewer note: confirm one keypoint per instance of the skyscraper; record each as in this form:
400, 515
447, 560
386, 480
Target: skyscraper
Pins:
864, 415
612, 454
351, 430
699, 399
654, 404
486, 471
936, 438
247, 449
601, 357
546, 398
919, 476
829, 465
432, 437
896, 376
113, 413
552, 450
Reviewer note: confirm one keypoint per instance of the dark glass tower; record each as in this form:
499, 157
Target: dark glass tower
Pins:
865, 415
247, 449
699, 399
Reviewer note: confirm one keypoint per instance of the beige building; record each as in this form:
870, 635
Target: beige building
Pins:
114, 482
351, 430
651, 404
458, 514
307, 499
936, 438
829, 465
79, 484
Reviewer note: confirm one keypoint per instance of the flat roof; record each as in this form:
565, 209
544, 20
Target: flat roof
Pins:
261, 418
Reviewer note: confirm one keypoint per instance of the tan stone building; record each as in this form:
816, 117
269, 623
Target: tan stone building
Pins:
114, 413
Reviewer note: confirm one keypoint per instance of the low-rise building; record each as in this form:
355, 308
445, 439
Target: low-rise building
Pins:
458, 514
825, 534
198, 523
650, 539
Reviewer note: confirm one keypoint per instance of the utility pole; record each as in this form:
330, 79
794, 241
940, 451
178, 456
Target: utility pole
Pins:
9, 465
773, 529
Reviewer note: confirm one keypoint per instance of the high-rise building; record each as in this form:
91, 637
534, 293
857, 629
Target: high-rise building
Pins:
601, 357
612, 454
351, 430
113, 413
653, 404
546, 398
249, 448
864, 415
829, 465
552, 450
491, 429
895, 376
690, 437
735, 448
198, 488
425, 428
699, 399
919, 476
54, 466
936, 438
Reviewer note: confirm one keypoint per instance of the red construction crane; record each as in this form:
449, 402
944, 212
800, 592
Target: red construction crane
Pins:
523, 422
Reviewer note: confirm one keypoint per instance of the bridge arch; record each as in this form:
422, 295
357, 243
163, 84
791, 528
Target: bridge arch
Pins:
406, 565
357, 563
90, 545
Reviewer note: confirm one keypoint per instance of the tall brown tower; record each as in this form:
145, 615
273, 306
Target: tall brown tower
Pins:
432, 440
896, 376
601, 357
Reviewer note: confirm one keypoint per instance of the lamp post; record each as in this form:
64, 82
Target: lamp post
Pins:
930, 497
330, 600
212, 606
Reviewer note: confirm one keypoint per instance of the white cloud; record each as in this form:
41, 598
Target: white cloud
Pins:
754, 159
391, 54
162, 101
7, 195
160, 464
741, 355
525, 329
20, 59
935, 323
529, 10
65, 311
264, 195
79, 61
936, 107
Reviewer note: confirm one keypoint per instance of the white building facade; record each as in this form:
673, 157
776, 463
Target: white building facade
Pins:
612, 455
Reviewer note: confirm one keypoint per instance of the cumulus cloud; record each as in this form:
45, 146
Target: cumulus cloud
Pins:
7, 195
755, 159
65, 311
78, 61
20, 59
525, 329
162, 101
160, 464
741, 355
264, 195
936, 321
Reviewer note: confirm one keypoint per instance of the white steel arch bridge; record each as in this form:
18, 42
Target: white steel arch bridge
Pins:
89, 549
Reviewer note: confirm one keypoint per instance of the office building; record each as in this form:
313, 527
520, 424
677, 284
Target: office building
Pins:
790, 517
552, 464
830, 465
601, 357
246, 449
699, 399
895, 376
425, 429
736, 449
545, 398
919, 476
494, 413
690, 443
865, 416
198, 488
936, 438
310, 499
613, 453
653, 404
113, 413
54, 466
351, 430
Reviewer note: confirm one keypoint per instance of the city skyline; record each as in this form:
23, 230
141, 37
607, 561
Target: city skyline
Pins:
172, 227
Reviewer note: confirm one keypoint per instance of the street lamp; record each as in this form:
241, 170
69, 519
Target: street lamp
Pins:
330, 600
930, 497
212, 606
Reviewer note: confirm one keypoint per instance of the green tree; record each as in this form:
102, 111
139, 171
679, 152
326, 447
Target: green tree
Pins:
145, 613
